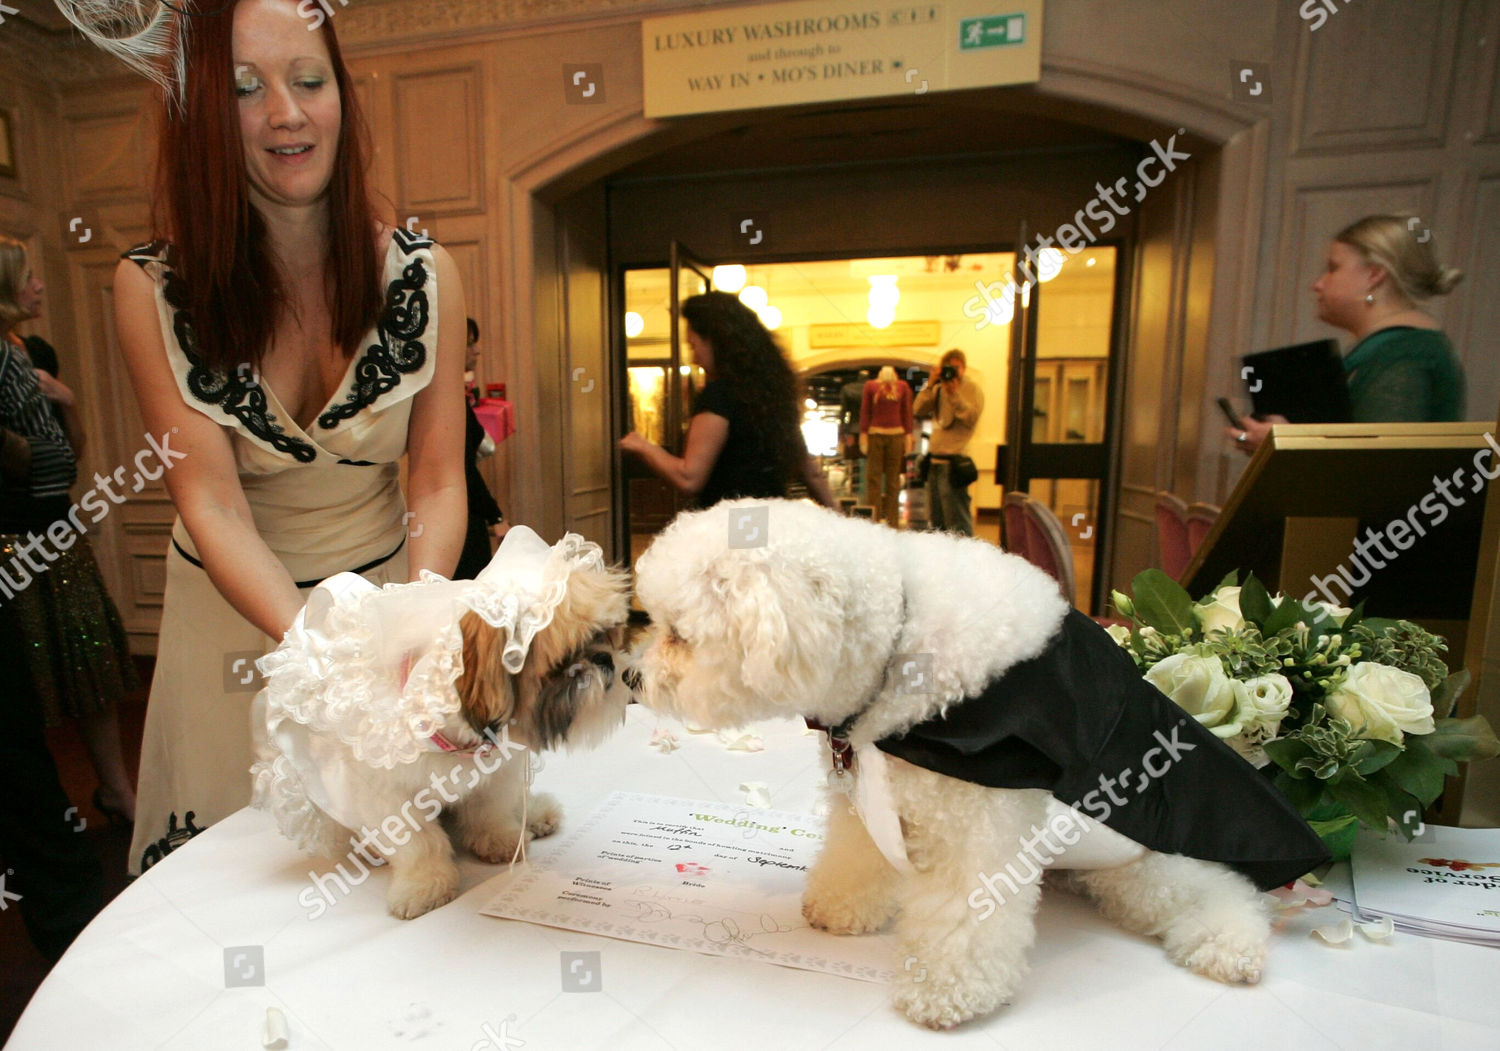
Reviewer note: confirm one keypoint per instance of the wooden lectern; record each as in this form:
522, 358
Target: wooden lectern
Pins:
1392, 515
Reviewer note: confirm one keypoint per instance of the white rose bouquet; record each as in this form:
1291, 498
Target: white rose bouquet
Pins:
1352, 714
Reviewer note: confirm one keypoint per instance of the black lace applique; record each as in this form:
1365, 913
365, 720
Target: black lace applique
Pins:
238, 394
399, 351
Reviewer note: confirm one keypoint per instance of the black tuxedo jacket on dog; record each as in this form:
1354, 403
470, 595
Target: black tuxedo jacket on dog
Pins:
1079, 721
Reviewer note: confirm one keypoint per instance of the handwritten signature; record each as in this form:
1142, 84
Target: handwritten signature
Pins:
723, 931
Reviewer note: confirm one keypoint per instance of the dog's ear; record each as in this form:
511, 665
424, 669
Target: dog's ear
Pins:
787, 617
485, 689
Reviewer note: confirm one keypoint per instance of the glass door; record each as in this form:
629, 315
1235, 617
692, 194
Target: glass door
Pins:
661, 382
1059, 434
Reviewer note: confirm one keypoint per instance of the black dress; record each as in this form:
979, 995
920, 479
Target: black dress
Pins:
483, 511
75, 642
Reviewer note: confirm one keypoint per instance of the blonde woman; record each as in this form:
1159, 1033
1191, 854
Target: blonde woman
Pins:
886, 435
1402, 368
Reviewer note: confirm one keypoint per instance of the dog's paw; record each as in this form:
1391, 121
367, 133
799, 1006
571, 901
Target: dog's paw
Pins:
931, 1000
544, 816
410, 897
497, 846
838, 914
1235, 954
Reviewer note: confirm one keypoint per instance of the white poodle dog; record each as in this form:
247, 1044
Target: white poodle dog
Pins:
991, 707
386, 709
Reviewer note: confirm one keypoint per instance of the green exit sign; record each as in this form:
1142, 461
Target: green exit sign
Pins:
991, 31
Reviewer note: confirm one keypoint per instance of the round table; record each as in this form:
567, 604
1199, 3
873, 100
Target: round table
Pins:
193, 953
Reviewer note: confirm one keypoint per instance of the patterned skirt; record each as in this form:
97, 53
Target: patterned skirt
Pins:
79, 659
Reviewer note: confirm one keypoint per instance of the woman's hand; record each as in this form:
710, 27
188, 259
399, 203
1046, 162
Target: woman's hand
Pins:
54, 389
1251, 432
634, 444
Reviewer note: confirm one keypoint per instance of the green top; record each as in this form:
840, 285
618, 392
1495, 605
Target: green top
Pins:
1404, 375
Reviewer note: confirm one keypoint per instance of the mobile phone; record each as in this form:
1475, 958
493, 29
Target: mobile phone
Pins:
1229, 414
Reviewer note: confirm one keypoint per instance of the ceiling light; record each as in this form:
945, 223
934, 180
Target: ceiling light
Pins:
729, 278
634, 324
754, 297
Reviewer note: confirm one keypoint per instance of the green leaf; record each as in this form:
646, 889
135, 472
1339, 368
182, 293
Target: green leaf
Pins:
1445, 697
1418, 772
1356, 615
1231, 580
1464, 740
1303, 793
1255, 601
1337, 835
1362, 798
1369, 756
1379, 624
1286, 753
1286, 615
1404, 808
1162, 603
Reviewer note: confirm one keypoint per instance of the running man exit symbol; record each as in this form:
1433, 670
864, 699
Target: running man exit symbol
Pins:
992, 31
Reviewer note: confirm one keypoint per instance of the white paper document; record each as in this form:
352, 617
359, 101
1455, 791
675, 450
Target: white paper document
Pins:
1445, 883
692, 875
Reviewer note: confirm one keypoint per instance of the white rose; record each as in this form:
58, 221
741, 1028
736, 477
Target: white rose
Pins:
1221, 611
1338, 613
1264, 699
1120, 633
1197, 685
1382, 703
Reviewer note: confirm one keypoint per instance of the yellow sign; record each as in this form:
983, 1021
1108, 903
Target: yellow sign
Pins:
896, 334
821, 50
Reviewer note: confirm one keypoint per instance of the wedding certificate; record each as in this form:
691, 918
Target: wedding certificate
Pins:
692, 875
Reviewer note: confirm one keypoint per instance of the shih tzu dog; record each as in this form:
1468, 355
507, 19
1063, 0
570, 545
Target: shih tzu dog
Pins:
987, 731
385, 709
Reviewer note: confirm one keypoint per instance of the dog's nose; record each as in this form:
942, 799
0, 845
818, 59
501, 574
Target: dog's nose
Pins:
633, 679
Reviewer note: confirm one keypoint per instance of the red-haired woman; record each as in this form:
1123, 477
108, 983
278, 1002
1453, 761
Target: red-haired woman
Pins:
290, 349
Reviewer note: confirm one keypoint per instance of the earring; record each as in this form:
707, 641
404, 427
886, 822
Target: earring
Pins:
1369, 299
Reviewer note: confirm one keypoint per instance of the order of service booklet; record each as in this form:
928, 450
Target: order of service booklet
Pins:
694, 875
1444, 883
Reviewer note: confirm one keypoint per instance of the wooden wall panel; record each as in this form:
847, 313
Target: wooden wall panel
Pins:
439, 141
1359, 55
1474, 331
586, 380
107, 155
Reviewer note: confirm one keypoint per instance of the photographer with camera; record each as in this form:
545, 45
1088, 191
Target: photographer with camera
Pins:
954, 404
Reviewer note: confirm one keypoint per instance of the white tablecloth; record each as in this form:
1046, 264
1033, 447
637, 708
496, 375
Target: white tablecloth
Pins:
150, 971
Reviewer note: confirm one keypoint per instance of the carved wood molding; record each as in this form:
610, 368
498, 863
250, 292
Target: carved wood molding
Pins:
376, 22
54, 58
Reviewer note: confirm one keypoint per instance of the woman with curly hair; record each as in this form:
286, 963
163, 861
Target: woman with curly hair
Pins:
745, 437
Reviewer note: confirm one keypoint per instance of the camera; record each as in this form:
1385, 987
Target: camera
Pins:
950, 372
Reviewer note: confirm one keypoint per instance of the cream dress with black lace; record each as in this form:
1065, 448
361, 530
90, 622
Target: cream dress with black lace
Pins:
325, 500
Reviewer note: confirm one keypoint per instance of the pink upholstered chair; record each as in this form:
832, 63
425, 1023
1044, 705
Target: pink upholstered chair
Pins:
1200, 519
1013, 515
1172, 534
1047, 545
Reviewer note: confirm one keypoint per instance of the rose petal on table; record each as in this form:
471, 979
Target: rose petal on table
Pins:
1335, 933
1379, 930
757, 794
664, 741
741, 742
1300, 894
276, 1031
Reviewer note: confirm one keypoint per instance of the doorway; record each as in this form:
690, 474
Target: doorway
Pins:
1047, 366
